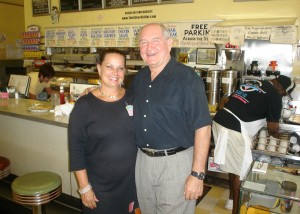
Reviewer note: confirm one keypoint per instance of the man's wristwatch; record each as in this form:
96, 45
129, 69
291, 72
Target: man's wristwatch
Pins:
200, 175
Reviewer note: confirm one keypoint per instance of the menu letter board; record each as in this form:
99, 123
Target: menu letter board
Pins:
69, 5
91, 4
116, 3
40, 7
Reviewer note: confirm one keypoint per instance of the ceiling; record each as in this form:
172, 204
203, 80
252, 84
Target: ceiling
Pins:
14, 2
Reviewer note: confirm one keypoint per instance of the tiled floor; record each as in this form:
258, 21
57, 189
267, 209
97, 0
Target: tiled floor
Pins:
214, 201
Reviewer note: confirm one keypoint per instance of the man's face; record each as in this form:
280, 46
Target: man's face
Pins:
44, 79
154, 47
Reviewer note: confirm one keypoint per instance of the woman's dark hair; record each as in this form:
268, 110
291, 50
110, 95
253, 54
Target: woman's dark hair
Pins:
47, 71
101, 58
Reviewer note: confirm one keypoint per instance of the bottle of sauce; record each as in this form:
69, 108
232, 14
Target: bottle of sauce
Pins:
61, 95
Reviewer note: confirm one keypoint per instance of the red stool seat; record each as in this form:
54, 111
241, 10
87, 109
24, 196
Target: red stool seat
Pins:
4, 167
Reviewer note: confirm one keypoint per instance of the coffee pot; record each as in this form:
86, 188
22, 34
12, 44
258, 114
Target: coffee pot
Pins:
254, 69
272, 69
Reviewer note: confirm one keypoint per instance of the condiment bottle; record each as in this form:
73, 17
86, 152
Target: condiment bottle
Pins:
62, 95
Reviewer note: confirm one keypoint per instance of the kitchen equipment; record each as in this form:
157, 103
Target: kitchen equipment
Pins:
254, 69
229, 81
272, 69
213, 83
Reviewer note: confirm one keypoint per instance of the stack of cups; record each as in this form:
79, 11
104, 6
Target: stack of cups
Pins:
283, 146
295, 142
262, 140
272, 144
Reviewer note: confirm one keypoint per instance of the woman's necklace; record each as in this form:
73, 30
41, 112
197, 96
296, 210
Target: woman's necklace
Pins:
113, 97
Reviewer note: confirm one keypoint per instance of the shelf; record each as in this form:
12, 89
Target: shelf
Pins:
276, 154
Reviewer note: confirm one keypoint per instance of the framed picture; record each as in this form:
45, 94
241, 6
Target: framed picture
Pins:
40, 7
206, 56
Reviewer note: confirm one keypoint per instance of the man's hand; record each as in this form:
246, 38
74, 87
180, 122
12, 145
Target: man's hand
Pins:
193, 188
273, 129
87, 90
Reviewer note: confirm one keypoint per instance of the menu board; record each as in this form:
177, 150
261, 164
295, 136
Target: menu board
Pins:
110, 36
91, 4
69, 5
50, 37
96, 35
135, 30
123, 39
84, 37
61, 37
72, 37
137, 2
40, 7
116, 3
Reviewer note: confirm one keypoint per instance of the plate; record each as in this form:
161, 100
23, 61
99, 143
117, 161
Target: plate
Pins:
38, 109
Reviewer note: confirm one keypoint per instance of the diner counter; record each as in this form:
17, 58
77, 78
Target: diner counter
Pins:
35, 141
19, 108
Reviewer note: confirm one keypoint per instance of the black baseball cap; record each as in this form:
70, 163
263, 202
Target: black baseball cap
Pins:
287, 83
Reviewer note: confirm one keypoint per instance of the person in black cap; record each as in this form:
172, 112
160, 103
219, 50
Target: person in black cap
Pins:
247, 110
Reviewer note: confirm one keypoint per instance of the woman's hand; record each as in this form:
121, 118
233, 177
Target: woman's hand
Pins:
89, 199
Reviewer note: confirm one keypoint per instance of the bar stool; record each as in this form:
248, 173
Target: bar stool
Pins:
36, 189
4, 167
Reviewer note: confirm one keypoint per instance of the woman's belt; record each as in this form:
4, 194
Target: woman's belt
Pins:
159, 153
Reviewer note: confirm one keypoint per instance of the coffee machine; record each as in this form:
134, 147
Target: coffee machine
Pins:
233, 66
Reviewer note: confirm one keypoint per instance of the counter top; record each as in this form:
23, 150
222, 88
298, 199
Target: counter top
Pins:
19, 108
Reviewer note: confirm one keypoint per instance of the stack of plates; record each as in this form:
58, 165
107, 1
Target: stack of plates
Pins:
4, 167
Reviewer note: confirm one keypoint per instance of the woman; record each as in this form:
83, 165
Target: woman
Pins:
101, 138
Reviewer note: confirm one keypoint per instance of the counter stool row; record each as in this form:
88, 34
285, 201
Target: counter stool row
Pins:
35, 189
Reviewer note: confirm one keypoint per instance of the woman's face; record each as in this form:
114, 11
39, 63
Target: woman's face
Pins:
112, 70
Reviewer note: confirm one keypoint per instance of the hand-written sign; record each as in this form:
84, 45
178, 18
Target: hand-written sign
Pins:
237, 34
219, 35
284, 35
258, 32
40, 7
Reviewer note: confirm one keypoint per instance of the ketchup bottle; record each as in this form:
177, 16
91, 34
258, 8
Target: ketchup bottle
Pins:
61, 95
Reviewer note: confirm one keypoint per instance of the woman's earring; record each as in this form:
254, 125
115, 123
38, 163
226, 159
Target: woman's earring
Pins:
121, 84
99, 83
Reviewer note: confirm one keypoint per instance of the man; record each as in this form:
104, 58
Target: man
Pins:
234, 127
40, 81
173, 128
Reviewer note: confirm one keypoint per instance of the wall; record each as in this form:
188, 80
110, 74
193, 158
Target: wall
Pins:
12, 22
199, 10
